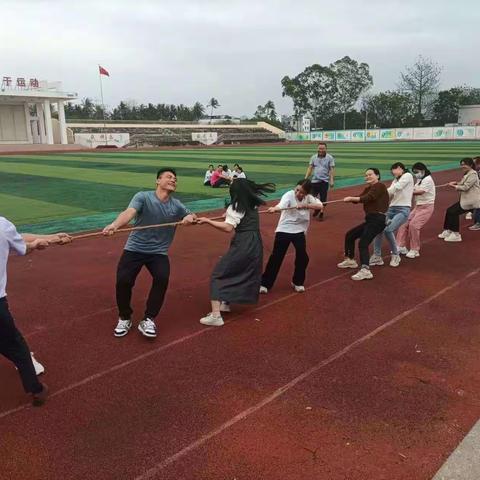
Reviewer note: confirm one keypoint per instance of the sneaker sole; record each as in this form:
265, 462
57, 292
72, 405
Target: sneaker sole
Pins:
347, 266
118, 335
146, 334
360, 279
208, 324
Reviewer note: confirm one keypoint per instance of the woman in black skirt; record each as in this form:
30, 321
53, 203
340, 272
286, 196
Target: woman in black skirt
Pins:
236, 277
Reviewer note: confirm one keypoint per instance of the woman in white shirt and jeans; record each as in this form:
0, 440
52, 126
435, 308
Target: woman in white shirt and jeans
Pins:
401, 193
291, 228
424, 194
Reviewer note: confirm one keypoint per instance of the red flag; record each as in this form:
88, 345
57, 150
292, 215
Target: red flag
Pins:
103, 71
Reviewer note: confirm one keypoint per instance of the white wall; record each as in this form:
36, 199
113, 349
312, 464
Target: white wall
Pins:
13, 124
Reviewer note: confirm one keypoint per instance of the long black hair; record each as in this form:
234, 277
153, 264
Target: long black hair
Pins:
421, 166
399, 165
245, 194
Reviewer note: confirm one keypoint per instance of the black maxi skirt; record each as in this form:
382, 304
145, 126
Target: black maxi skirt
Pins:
236, 277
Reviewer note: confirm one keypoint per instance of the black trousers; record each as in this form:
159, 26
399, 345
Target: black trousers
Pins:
15, 348
280, 247
366, 232
452, 217
220, 182
128, 269
320, 190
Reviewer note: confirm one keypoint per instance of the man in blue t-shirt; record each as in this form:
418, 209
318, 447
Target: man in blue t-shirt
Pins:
322, 165
149, 248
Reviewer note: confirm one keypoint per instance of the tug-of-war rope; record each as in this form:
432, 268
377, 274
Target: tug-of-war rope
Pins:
176, 224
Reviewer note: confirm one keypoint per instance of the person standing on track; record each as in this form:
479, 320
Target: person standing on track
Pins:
375, 204
469, 188
424, 194
322, 165
12, 344
149, 248
291, 228
401, 194
236, 277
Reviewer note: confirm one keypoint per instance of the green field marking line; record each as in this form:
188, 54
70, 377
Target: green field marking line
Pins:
93, 222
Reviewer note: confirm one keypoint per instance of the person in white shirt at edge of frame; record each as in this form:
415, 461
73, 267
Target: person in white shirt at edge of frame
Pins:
12, 344
292, 228
208, 176
469, 188
424, 196
401, 194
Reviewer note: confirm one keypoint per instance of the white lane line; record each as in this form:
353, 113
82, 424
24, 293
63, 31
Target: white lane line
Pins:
156, 469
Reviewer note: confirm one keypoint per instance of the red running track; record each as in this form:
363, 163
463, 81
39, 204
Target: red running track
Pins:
368, 380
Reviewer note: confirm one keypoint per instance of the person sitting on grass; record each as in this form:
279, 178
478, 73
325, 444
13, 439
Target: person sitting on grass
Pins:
424, 194
12, 344
236, 277
208, 176
219, 178
469, 188
292, 228
401, 194
238, 172
375, 204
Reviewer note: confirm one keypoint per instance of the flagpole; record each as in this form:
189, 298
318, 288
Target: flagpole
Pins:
103, 106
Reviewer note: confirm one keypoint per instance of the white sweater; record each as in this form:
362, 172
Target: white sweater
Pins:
428, 186
401, 191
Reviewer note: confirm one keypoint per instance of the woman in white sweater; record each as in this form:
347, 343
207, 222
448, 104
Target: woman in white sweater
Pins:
424, 194
401, 193
469, 188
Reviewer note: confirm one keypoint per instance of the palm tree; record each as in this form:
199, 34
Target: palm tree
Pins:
212, 103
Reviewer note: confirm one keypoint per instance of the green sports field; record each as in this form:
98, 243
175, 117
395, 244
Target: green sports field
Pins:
79, 191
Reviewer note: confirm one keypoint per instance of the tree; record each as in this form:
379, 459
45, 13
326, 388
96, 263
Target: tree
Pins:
448, 102
352, 79
266, 112
421, 81
389, 109
312, 91
213, 104
198, 111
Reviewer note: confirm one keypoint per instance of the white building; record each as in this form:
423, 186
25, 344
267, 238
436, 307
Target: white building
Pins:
25, 111
469, 115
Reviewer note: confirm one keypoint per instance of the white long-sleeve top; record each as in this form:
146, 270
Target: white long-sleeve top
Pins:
401, 191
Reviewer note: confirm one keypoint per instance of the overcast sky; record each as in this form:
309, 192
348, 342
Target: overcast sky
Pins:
182, 51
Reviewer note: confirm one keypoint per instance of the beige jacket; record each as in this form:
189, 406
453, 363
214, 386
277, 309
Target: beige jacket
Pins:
469, 188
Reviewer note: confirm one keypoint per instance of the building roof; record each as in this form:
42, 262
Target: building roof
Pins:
45, 91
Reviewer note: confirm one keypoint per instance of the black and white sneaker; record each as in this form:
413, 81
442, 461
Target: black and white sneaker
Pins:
122, 328
148, 328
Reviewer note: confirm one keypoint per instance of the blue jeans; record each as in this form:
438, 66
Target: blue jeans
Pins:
396, 216
476, 215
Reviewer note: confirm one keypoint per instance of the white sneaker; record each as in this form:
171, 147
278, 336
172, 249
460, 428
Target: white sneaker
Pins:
212, 320
413, 254
445, 234
402, 250
395, 260
298, 288
376, 260
148, 328
454, 237
225, 307
468, 216
263, 290
475, 226
348, 263
39, 368
122, 328
363, 274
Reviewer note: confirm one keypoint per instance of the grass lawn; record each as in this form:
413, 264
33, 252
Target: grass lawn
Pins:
84, 190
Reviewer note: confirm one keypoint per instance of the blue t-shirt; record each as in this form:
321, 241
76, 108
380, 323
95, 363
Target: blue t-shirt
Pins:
150, 211
321, 167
